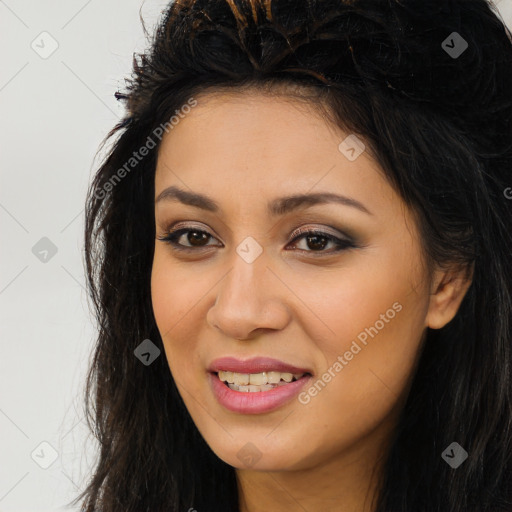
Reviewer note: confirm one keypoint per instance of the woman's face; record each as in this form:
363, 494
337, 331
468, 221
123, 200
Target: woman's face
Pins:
251, 286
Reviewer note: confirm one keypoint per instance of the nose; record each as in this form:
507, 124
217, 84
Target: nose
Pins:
250, 298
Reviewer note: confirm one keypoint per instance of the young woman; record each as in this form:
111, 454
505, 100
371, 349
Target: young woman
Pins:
298, 250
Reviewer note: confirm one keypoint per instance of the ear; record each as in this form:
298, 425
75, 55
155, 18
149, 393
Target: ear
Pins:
448, 289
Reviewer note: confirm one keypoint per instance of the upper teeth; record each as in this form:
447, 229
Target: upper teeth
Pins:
257, 379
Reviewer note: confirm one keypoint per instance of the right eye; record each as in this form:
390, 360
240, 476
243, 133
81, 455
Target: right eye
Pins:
173, 237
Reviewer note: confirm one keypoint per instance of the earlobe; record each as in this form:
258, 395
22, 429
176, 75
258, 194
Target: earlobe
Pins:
447, 292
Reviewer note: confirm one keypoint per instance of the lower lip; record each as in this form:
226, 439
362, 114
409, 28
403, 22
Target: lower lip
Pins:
255, 402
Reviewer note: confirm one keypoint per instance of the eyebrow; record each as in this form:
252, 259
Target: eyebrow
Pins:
279, 206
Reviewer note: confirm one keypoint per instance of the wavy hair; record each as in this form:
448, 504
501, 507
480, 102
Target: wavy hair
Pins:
439, 125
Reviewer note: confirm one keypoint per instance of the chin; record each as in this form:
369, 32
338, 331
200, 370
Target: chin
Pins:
259, 455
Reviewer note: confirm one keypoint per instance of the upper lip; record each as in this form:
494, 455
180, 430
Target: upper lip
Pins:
254, 365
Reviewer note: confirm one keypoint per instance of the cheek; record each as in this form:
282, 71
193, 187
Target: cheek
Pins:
174, 295
175, 307
370, 302
376, 316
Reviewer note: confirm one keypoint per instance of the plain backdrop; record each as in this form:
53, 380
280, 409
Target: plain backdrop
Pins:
61, 63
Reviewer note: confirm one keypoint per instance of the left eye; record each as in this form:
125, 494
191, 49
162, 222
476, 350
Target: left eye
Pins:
195, 237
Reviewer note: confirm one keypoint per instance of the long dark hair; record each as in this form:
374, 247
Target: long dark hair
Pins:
437, 116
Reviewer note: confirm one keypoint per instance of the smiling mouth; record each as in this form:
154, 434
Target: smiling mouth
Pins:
258, 382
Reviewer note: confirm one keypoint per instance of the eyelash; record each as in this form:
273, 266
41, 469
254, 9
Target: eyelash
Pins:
172, 237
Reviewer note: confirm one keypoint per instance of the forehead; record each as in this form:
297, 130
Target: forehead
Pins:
251, 128
235, 145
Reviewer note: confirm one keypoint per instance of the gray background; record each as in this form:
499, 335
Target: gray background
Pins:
55, 110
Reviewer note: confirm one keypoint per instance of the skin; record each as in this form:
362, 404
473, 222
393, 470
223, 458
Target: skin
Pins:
244, 149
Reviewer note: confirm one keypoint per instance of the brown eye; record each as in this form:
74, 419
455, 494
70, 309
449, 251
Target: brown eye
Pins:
195, 237
318, 240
